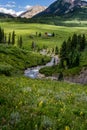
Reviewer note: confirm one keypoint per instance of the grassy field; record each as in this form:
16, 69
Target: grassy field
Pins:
27, 104
28, 30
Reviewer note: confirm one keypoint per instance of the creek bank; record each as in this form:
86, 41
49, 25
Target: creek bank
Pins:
81, 78
34, 73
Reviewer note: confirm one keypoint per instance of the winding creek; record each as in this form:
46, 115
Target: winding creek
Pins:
34, 71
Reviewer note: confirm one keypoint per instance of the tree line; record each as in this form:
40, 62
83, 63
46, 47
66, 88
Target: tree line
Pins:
71, 50
10, 38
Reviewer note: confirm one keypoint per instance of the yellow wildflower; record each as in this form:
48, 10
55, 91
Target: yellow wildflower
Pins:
67, 128
81, 113
40, 103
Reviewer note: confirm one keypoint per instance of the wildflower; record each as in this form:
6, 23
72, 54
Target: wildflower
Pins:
40, 103
67, 128
81, 113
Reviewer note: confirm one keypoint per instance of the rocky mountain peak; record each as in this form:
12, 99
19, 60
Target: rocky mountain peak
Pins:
61, 7
32, 11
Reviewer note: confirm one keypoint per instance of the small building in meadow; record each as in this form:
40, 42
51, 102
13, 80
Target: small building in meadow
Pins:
48, 34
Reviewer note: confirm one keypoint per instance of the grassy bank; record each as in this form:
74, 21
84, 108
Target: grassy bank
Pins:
14, 60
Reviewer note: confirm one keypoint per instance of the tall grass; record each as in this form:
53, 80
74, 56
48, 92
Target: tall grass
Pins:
27, 104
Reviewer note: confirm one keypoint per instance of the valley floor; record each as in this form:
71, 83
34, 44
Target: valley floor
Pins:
37, 104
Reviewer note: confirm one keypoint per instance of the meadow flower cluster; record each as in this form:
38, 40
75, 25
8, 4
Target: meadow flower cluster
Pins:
27, 104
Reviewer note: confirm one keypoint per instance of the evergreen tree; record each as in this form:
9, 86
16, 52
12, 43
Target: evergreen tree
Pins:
69, 46
53, 34
39, 34
74, 41
5, 38
83, 42
79, 42
9, 39
13, 37
0, 34
74, 58
63, 50
20, 41
70, 51
63, 53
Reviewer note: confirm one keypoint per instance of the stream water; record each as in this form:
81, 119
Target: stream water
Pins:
34, 71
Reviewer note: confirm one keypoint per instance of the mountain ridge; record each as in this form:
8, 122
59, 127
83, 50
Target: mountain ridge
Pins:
63, 7
4, 15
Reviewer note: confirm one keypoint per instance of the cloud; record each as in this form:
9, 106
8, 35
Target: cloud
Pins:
10, 11
8, 8
24, 7
27, 7
7, 11
10, 4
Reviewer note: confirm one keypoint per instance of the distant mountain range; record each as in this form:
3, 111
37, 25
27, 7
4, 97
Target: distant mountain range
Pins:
32, 11
63, 7
3, 15
27, 14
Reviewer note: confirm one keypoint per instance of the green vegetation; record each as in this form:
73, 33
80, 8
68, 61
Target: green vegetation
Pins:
36, 104
70, 51
56, 70
28, 33
73, 57
71, 20
15, 60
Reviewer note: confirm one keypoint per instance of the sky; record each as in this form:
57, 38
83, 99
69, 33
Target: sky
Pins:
19, 6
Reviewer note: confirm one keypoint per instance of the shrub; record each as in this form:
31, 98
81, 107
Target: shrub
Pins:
5, 69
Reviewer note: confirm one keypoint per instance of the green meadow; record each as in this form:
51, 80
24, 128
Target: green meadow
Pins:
27, 104
38, 104
28, 32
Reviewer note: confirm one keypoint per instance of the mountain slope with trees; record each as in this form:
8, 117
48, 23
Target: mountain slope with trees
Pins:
63, 7
61, 11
